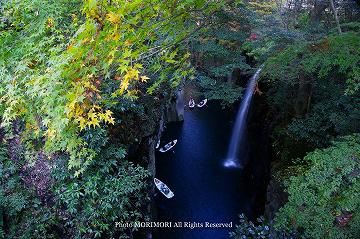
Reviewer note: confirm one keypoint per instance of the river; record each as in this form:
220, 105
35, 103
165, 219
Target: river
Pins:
205, 191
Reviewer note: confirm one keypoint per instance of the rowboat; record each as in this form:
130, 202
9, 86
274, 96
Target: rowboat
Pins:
191, 103
163, 188
168, 146
202, 103
157, 144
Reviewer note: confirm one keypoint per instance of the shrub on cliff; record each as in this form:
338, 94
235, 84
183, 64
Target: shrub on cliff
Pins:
324, 201
246, 229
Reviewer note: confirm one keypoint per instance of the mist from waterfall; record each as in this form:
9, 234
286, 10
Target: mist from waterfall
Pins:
239, 130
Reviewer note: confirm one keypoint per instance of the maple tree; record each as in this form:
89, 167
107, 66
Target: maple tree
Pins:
80, 63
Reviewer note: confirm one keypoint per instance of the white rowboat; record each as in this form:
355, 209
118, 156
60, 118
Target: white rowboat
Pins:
191, 103
163, 188
202, 103
157, 144
168, 146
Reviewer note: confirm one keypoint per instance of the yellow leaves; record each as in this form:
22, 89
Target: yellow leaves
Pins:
127, 53
81, 122
81, 107
50, 22
131, 74
93, 120
187, 55
107, 117
144, 78
85, 40
88, 85
124, 85
33, 128
72, 107
111, 56
113, 18
111, 121
115, 36
131, 94
50, 133
74, 18
263, 7
90, 8
28, 126
94, 117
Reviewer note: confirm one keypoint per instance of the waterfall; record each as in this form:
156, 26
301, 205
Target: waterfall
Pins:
232, 160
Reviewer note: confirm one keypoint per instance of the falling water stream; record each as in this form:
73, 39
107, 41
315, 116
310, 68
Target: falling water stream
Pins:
237, 138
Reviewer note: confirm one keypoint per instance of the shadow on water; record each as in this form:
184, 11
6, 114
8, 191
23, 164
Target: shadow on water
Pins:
205, 191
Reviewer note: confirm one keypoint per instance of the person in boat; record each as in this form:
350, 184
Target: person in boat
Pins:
191, 102
165, 189
202, 103
167, 146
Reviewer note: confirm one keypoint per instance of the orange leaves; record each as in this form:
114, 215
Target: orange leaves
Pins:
128, 43
322, 46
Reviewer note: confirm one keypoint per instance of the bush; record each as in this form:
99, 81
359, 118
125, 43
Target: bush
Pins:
324, 201
261, 230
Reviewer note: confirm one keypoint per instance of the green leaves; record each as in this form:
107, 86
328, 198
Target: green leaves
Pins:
258, 230
311, 91
327, 191
227, 92
112, 191
218, 53
322, 59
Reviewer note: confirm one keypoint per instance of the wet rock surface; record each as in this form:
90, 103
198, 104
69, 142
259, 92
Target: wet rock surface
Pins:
276, 198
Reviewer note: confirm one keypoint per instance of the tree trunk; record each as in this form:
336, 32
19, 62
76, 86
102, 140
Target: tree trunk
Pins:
303, 96
317, 11
335, 15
